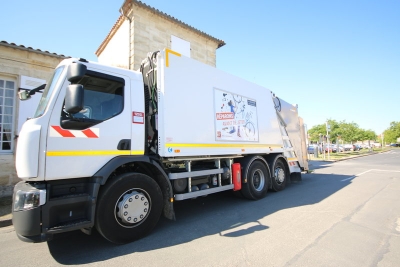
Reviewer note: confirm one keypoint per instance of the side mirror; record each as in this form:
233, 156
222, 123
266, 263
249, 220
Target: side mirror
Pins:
74, 98
76, 71
24, 95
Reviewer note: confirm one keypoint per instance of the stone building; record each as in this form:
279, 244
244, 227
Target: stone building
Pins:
20, 67
141, 29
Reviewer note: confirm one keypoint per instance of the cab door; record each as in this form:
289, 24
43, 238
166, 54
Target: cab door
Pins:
79, 144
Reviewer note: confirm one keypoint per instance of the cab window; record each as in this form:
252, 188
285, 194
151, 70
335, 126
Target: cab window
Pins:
103, 99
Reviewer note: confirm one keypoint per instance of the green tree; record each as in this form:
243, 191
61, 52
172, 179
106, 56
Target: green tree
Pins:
315, 131
392, 133
368, 135
348, 132
320, 129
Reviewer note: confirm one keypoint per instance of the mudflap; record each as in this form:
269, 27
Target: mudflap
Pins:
295, 177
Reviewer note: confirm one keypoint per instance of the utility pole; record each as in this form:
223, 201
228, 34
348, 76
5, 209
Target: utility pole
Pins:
321, 141
328, 128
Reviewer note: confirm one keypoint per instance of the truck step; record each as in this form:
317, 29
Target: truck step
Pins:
203, 192
69, 196
70, 226
180, 175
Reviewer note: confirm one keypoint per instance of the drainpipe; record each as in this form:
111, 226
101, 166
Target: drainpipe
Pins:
121, 10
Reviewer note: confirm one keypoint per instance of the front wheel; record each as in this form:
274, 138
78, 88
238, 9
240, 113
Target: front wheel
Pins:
128, 207
258, 178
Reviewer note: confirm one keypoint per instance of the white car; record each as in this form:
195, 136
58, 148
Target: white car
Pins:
348, 147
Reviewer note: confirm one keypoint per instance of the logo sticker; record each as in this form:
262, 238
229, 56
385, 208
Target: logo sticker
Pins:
138, 117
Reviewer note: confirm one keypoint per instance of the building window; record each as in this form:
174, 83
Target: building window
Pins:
7, 90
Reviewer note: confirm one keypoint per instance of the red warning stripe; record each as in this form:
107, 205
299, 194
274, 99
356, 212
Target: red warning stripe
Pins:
66, 133
62, 132
89, 133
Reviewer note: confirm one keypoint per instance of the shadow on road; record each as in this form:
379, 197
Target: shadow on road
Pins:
220, 214
319, 164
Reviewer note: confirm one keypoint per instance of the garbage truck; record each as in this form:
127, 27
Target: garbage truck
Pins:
113, 149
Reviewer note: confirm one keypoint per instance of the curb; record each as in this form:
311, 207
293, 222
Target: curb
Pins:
5, 223
347, 158
351, 157
5, 211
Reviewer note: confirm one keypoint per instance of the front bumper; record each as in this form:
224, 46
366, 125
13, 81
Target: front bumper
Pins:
27, 222
59, 206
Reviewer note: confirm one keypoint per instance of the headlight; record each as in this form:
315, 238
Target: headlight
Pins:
26, 200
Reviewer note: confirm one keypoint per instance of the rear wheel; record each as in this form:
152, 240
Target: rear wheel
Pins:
128, 207
258, 178
280, 176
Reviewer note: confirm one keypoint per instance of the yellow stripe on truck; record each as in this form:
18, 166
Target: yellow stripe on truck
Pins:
167, 51
93, 153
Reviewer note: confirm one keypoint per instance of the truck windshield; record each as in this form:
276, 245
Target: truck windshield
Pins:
48, 91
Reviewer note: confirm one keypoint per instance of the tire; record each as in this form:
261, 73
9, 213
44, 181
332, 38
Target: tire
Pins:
120, 222
280, 176
258, 179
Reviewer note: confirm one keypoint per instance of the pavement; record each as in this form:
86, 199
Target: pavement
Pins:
6, 201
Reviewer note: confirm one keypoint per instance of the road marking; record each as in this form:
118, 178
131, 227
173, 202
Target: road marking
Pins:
377, 170
354, 176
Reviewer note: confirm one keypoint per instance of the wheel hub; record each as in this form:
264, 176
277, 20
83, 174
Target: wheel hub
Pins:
279, 175
133, 207
258, 180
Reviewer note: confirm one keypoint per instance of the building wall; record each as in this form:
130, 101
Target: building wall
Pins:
152, 33
116, 53
142, 29
16, 61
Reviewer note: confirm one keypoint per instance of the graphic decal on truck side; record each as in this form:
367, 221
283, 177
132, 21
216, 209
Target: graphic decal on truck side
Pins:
235, 117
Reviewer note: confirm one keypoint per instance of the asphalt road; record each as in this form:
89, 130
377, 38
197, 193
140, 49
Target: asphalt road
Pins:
344, 214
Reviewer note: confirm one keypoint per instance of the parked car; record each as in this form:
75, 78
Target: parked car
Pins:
395, 145
326, 148
365, 146
310, 149
356, 147
335, 148
348, 147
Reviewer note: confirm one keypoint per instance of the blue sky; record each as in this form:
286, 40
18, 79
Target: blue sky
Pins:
335, 59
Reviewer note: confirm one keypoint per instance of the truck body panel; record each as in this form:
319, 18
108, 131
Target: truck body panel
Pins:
205, 111
294, 129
